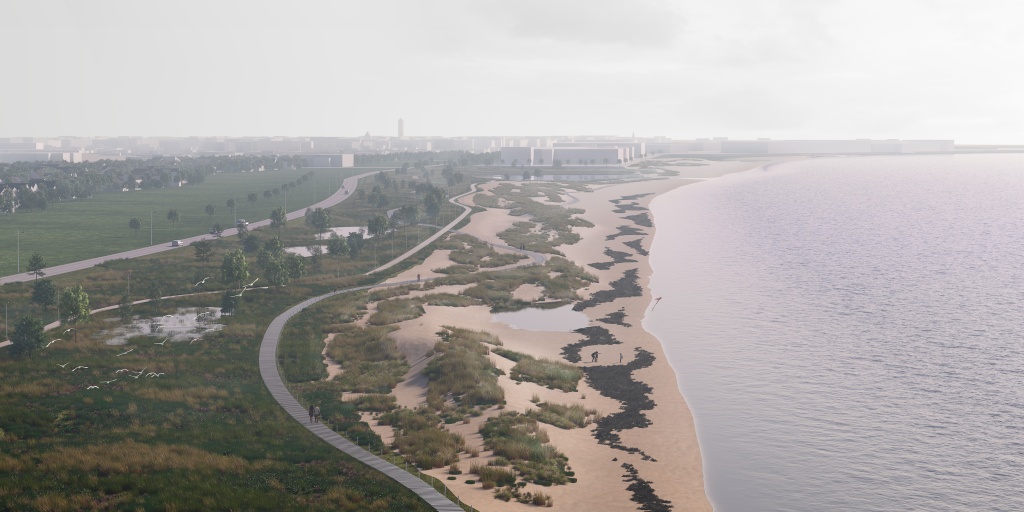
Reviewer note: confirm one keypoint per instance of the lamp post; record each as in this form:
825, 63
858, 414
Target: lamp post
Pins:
151, 212
19, 251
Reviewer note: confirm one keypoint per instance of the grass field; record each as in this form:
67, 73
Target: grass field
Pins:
97, 226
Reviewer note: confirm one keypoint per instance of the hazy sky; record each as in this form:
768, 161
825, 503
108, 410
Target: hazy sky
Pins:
697, 68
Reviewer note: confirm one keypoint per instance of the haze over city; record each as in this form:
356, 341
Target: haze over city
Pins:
743, 69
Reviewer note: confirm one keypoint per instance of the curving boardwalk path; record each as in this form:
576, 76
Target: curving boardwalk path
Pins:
272, 376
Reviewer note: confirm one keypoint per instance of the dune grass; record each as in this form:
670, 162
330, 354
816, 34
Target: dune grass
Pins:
549, 225
370, 360
420, 440
563, 416
396, 310
520, 439
462, 372
548, 373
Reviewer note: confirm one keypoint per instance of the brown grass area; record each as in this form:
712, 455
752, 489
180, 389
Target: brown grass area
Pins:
193, 397
125, 457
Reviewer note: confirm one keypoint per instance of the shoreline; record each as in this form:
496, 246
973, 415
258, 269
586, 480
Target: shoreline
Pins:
643, 451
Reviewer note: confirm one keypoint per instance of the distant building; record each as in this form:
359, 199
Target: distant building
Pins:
335, 160
401, 128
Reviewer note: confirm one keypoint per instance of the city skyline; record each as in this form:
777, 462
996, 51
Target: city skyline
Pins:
741, 69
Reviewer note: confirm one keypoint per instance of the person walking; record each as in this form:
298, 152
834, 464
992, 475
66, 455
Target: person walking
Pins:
316, 414
312, 412
417, 278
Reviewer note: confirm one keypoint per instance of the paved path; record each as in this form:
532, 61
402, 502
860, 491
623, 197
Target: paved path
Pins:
348, 186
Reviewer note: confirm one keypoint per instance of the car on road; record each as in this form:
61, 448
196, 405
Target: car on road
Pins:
176, 243
241, 222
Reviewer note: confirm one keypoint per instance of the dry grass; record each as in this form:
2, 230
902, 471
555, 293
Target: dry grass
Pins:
127, 457
193, 397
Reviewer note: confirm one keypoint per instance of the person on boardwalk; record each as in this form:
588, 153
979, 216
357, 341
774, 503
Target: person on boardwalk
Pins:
312, 412
593, 357
316, 414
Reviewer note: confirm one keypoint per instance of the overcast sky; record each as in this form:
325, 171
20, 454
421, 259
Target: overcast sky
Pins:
684, 69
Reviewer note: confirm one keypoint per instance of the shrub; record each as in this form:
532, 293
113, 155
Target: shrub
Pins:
563, 416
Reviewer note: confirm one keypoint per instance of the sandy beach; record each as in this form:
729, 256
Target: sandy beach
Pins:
644, 453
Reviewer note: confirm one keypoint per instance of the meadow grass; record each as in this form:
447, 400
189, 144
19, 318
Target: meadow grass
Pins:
81, 229
396, 310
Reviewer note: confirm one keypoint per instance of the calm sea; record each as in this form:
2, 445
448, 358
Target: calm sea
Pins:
849, 332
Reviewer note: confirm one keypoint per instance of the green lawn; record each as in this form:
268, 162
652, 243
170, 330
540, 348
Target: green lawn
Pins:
97, 226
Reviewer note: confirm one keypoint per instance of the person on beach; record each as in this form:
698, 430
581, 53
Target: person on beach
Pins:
620, 357
593, 357
417, 278
316, 414
311, 413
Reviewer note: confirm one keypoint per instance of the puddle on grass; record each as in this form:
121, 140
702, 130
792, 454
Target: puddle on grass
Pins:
342, 232
562, 319
186, 324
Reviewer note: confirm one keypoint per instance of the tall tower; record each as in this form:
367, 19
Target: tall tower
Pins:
401, 128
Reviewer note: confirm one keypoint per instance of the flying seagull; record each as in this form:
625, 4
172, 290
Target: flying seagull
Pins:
67, 331
201, 282
52, 342
122, 370
80, 367
162, 342
139, 374
64, 365
109, 381
93, 387
241, 292
125, 352
252, 283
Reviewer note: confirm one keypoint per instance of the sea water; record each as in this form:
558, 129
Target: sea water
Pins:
849, 332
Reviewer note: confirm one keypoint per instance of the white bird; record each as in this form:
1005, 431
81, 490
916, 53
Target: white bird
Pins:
64, 365
67, 331
252, 283
241, 292
203, 281
80, 367
143, 370
52, 342
162, 342
154, 374
193, 341
125, 352
109, 381
122, 370
93, 387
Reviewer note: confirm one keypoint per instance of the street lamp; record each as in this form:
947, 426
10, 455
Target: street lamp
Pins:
151, 212
19, 251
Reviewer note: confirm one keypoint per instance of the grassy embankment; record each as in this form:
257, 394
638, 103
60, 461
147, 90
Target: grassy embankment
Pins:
204, 434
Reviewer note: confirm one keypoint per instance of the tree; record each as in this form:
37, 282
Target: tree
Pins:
337, 247
204, 250
319, 219
228, 302
172, 215
377, 226
234, 270
526, 175
36, 265
124, 309
28, 336
74, 305
278, 218
135, 225
210, 210
355, 243
44, 293
266, 194
230, 203
252, 198
538, 173
557, 163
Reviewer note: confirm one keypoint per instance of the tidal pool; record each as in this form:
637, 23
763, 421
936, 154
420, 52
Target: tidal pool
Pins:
562, 319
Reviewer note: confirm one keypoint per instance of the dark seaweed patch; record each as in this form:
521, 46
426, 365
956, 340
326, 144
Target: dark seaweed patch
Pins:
641, 219
633, 197
616, 318
637, 245
625, 231
629, 207
642, 491
627, 286
616, 382
616, 256
594, 335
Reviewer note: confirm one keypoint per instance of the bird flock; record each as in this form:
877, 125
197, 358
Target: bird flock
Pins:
127, 372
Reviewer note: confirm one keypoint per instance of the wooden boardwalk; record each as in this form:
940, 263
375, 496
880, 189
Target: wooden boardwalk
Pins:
272, 378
